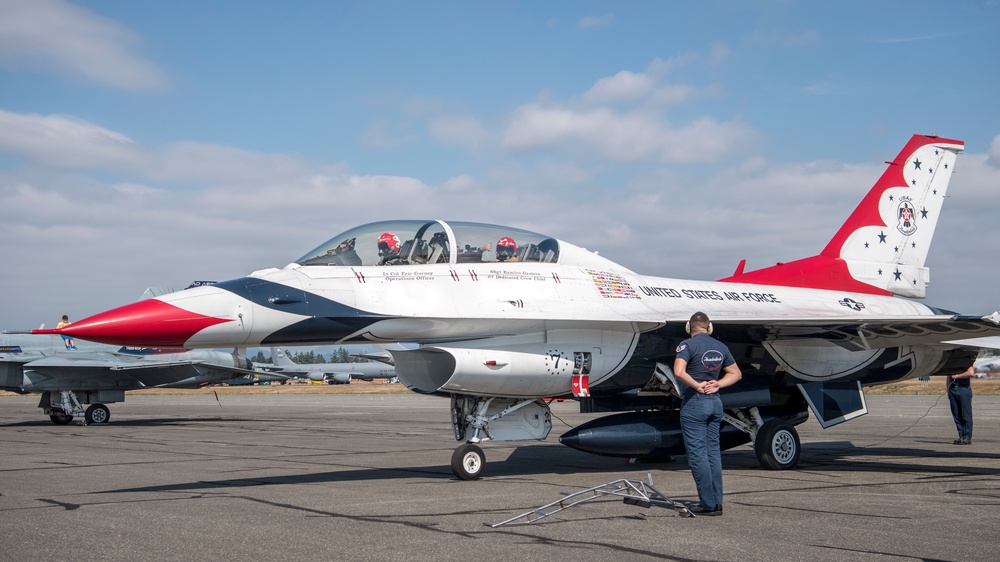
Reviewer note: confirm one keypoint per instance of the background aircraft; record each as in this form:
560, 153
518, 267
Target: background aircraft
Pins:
553, 319
97, 374
332, 373
986, 365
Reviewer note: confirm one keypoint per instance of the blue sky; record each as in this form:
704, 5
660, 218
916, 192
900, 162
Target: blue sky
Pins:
152, 144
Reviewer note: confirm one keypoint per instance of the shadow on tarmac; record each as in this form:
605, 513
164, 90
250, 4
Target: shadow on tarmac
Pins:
554, 459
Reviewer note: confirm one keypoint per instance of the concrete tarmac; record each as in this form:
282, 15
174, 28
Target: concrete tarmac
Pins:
367, 477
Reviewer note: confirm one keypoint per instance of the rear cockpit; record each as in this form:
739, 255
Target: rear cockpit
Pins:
415, 242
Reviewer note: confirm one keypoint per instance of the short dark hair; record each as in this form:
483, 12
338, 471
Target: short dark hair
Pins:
699, 319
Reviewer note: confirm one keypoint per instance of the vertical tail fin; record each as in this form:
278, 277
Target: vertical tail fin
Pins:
279, 357
882, 247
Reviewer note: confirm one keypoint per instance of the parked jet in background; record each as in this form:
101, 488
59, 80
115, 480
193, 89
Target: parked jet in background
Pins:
986, 365
332, 373
539, 317
382, 353
97, 374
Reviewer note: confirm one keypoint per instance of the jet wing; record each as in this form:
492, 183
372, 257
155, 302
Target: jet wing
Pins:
868, 333
83, 370
214, 366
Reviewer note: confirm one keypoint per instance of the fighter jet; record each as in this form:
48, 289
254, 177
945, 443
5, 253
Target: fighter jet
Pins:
505, 318
986, 365
98, 374
331, 373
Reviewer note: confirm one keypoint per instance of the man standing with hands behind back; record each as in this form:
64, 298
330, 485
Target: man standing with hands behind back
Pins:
704, 365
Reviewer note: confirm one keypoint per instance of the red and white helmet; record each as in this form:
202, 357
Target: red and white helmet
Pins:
388, 244
506, 248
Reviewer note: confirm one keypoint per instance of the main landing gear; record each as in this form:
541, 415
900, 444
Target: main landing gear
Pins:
775, 442
62, 409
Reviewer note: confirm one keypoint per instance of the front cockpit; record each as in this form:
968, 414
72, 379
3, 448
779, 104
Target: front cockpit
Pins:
414, 242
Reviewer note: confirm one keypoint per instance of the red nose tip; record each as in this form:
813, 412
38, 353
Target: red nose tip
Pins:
145, 323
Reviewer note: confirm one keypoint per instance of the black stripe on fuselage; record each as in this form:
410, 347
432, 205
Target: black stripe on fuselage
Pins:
325, 320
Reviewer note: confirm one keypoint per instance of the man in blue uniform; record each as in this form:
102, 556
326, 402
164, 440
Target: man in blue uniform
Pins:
960, 398
704, 365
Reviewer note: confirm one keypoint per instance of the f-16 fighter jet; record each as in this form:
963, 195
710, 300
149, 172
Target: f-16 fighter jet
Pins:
97, 374
506, 318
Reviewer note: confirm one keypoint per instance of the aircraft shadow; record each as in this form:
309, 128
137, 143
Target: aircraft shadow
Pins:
558, 459
148, 422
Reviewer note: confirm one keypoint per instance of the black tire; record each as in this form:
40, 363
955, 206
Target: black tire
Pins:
97, 414
777, 445
59, 417
468, 462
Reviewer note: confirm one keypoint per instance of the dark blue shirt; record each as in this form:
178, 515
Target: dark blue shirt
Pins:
960, 383
706, 357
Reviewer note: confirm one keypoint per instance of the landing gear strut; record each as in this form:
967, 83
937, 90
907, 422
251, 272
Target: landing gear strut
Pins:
63, 408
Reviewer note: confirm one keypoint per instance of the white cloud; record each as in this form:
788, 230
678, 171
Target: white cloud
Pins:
994, 152
55, 35
673, 94
65, 142
718, 53
596, 22
459, 184
384, 134
625, 85
622, 137
463, 131
660, 68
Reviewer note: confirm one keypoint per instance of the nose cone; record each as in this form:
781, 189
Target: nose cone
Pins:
150, 322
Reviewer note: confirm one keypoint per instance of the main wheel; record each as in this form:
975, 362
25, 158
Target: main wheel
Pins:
59, 417
777, 445
97, 413
468, 462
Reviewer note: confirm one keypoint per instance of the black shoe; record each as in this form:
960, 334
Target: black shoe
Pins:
702, 510
965, 441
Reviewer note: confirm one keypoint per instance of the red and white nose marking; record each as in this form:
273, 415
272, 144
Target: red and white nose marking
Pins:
150, 322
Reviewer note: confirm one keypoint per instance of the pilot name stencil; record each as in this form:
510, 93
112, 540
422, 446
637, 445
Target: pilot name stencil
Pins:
409, 276
509, 275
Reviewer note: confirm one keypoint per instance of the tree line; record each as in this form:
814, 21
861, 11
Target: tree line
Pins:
340, 355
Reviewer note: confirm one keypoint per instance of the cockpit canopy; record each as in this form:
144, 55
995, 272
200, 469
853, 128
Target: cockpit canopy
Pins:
413, 242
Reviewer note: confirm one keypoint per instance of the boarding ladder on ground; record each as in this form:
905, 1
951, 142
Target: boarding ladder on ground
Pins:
632, 492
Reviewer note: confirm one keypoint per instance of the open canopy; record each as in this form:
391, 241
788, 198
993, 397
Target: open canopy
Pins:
410, 242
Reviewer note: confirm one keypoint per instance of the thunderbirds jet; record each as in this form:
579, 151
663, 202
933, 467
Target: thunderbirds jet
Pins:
98, 374
506, 318
332, 373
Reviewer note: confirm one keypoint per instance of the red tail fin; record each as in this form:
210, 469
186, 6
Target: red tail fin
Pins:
882, 247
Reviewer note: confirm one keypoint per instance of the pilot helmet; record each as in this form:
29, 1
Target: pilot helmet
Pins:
506, 248
388, 244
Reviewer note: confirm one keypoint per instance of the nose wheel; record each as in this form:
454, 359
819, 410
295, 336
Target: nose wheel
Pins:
468, 462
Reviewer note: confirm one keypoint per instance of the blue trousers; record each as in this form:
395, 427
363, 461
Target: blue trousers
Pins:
701, 416
960, 398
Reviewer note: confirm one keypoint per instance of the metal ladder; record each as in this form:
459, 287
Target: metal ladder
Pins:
632, 492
